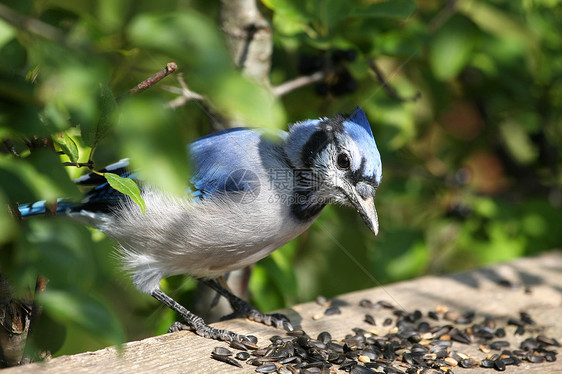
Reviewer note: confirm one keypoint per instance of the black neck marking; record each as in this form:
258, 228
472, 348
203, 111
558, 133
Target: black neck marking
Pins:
306, 206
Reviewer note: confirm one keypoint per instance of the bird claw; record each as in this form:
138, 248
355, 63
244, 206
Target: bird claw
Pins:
206, 331
178, 326
244, 309
277, 320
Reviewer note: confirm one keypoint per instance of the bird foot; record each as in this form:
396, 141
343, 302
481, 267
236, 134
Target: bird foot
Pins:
277, 320
243, 309
209, 332
196, 323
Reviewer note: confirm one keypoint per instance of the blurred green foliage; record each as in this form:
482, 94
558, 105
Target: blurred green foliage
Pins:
472, 170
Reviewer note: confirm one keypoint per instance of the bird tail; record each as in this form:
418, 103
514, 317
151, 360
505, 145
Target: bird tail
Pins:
41, 208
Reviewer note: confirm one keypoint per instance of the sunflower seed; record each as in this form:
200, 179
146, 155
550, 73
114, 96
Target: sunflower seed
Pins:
365, 303
385, 304
370, 319
526, 318
242, 356
269, 367
330, 311
221, 351
296, 333
547, 341
415, 344
500, 333
499, 344
520, 330
227, 359
535, 358
322, 301
468, 363
499, 365
238, 345
433, 315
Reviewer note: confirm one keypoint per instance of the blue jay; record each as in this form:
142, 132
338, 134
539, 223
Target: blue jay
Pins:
252, 192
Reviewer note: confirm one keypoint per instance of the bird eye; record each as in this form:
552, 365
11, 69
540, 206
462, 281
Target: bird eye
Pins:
343, 161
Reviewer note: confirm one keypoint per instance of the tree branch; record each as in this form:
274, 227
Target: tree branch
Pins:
149, 82
249, 37
89, 164
31, 25
10, 147
297, 83
387, 87
443, 16
184, 91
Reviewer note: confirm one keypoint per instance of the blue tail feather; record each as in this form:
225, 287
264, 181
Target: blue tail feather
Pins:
39, 208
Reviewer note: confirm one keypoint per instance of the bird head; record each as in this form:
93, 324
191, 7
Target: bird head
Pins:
342, 155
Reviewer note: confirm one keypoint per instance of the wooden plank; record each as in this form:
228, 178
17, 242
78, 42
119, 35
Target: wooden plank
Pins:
534, 286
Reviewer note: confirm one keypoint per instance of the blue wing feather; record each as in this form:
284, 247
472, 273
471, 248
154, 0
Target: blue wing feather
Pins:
219, 166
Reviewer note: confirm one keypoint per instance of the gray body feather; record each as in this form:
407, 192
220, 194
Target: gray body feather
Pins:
209, 237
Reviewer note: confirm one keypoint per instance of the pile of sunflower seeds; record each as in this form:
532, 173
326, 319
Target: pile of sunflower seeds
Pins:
417, 343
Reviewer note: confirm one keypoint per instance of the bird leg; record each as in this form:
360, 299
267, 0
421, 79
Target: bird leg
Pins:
244, 309
195, 322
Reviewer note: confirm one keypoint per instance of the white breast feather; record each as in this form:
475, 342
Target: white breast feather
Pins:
202, 239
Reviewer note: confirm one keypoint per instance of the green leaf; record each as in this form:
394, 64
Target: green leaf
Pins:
128, 187
107, 104
207, 66
395, 9
518, 142
7, 222
84, 310
151, 137
202, 53
75, 88
452, 47
67, 145
7, 32
248, 103
39, 176
61, 251
497, 22
55, 116
112, 14
19, 110
399, 43
290, 17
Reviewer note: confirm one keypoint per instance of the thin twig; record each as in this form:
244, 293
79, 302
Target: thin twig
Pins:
11, 147
185, 92
89, 164
387, 87
443, 16
36, 309
147, 83
31, 25
297, 83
